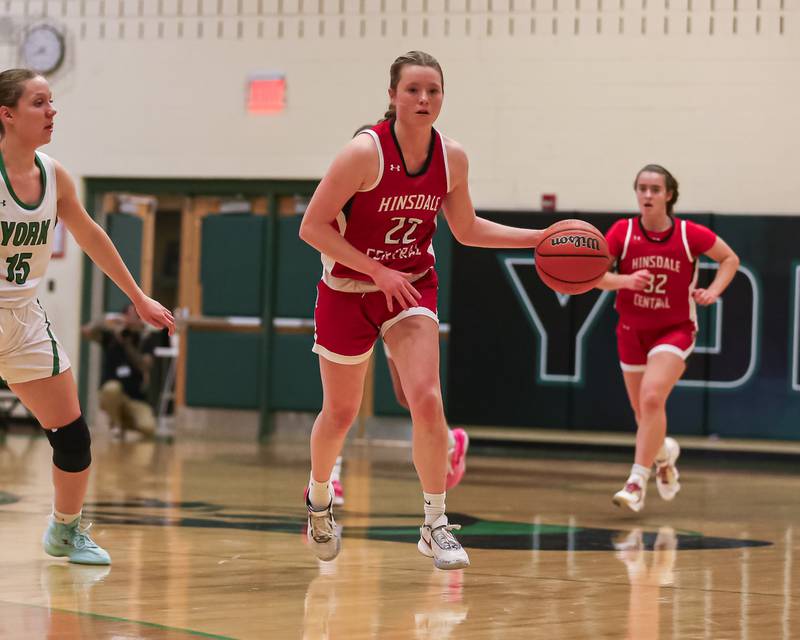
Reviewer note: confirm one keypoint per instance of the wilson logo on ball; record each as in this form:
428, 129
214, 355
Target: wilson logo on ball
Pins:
572, 256
577, 241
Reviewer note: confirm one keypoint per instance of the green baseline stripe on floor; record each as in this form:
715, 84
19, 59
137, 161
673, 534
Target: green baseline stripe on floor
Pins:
100, 616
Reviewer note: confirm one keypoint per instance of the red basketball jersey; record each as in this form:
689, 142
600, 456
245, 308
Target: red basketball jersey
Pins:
671, 256
393, 220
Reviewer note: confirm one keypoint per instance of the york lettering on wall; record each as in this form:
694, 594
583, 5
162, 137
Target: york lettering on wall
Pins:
728, 341
561, 353
727, 347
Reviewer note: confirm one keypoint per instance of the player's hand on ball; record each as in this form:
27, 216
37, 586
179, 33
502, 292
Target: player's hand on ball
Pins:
396, 286
153, 313
638, 280
704, 297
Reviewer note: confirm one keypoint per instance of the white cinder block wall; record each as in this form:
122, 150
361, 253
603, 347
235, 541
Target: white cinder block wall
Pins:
548, 96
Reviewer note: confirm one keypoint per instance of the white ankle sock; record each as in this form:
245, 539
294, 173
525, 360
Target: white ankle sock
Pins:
663, 454
434, 506
451, 440
65, 518
637, 470
319, 493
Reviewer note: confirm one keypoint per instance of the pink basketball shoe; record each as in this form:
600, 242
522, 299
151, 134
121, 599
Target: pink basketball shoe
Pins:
457, 458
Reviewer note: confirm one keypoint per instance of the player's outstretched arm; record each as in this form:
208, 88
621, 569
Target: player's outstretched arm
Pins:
468, 228
98, 246
720, 252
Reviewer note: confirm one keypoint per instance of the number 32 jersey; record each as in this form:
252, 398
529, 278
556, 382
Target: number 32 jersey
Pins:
26, 235
671, 257
394, 219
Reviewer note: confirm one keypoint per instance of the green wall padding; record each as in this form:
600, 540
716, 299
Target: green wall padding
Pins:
299, 270
125, 231
231, 264
225, 365
443, 246
296, 384
222, 369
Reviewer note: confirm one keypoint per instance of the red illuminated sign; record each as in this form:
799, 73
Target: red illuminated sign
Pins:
266, 94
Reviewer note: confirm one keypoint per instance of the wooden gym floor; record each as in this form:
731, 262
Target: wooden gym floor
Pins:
207, 541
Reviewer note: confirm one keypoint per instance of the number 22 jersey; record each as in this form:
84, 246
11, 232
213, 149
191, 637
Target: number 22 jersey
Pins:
394, 219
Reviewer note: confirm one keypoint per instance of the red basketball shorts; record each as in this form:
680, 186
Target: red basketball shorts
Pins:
346, 324
635, 345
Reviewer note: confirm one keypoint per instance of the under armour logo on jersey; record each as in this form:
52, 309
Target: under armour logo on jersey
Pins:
637, 238
394, 167
4, 203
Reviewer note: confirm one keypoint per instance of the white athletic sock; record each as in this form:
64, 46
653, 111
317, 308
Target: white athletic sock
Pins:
639, 472
434, 506
65, 518
451, 440
336, 474
319, 493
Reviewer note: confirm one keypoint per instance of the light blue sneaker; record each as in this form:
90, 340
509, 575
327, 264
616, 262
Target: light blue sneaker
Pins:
74, 542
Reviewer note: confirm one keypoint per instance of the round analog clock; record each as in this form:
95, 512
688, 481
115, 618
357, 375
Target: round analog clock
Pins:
42, 48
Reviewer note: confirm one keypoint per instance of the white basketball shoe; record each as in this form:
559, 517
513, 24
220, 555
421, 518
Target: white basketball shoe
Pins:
436, 541
666, 472
632, 494
324, 535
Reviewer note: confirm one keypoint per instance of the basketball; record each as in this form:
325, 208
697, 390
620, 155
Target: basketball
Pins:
572, 256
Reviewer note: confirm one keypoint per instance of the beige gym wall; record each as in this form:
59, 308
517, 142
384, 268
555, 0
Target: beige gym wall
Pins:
548, 96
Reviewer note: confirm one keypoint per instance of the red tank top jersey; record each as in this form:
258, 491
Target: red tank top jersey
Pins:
393, 220
671, 257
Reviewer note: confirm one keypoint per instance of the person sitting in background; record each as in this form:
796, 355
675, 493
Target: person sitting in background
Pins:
127, 364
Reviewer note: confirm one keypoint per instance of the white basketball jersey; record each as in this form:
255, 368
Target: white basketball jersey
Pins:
26, 236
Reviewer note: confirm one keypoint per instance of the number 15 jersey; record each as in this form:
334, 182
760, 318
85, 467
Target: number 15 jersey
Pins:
26, 235
671, 258
394, 219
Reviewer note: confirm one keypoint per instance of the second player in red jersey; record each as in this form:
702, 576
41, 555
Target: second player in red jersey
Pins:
670, 257
657, 262
372, 219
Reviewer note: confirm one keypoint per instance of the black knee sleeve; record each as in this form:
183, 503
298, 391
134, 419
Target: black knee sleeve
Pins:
71, 446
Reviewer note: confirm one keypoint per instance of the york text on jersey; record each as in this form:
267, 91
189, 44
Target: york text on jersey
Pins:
24, 233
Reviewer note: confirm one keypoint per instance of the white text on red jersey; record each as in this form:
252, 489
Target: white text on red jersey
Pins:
656, 262
416, 201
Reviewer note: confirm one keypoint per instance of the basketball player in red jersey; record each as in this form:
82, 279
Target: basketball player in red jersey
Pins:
457, 439
656, 275
372, 219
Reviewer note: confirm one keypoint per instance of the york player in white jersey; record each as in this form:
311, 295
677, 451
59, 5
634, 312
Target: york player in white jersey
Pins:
35, 193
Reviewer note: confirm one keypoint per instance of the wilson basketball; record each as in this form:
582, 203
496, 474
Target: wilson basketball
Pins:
572, 256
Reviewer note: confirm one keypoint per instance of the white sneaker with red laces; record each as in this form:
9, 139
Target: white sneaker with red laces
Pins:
666, 472
631, 495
